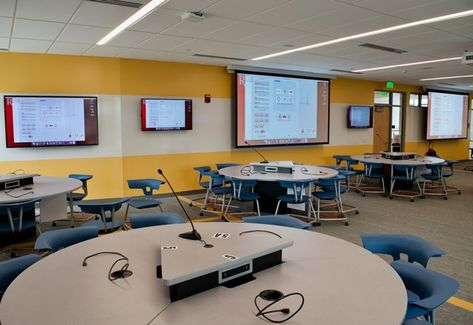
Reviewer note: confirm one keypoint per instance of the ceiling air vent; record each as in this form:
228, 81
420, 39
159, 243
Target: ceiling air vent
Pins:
218, 57
132, 4
345, 71
382, 48
446, 84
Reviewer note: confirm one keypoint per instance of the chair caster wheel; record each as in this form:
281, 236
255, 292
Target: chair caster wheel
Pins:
459, 192
412, 200
190, 204
54, 224
390, 197
357, 212
346, 223
363, 194
201, 214
316, 224
445, 198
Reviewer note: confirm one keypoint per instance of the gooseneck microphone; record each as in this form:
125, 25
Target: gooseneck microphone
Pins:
265, 161
192, 235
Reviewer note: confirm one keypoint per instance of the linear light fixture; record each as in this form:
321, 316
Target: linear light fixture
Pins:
451, 77
133, 19
372, 33
407, 64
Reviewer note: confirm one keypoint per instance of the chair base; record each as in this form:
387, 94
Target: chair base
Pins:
407, 194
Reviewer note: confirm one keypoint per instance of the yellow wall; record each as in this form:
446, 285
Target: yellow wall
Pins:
50, 74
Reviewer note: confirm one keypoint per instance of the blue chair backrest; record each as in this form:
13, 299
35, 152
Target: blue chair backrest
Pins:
147, 185
11, 268
278, 220
241, 186
417, 249
97, 207
83, 178
435, 169
408, 171
298, 188
216, 180
372, 168
54, 240
331, 184
155, 219
433, 288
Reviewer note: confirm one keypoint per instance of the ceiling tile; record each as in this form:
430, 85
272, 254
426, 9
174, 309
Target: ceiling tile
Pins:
464, 31
31, 46
454, 23
389, 7
101, 14
5, 26
303, 40
105, 50
242, 9
82, 34
196, 46
171, 56
68, 48
198, 29
433, 9
7, 8
34, 29
163, 42
158, 21
237, 31
377, 22
333, 19
4, 43
189, 5
49, 10
295, 11
276, 35
238, 51
138, 54
129, 38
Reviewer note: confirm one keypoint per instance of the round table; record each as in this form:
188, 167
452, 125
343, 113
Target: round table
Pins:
300, 173
342, 283
52, 192
417, 161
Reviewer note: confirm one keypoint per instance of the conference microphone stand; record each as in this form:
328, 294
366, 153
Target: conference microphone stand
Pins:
191, 235
265, 161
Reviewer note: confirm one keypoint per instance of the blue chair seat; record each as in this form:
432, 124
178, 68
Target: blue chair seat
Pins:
101, 207
411, 296
144, 203
76, 196
278, 220
289, 198
222, 190
248, 196
329, 195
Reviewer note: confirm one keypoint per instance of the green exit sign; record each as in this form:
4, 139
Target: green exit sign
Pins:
389, 84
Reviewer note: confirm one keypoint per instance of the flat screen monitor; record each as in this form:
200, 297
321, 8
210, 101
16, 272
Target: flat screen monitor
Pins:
43, 121
447, 115
276, 110
360, 117
163, 114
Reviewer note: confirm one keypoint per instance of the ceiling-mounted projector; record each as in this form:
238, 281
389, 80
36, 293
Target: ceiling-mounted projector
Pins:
467, 58
193, 16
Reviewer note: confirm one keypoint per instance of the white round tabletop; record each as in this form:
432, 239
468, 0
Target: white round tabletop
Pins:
300, 173
42, 187
342, 283
417, 161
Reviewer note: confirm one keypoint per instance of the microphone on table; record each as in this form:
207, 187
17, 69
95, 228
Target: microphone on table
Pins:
265, 161
191, 235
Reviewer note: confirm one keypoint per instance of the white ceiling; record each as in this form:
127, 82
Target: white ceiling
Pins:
250, 28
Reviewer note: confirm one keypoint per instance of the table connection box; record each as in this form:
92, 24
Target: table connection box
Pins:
283, 167
398, 155
11, 181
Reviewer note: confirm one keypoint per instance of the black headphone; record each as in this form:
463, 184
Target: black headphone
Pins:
122, 273
276, 296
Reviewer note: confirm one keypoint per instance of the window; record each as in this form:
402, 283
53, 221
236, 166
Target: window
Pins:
418, 100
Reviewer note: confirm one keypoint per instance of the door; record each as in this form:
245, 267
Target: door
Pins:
381, 128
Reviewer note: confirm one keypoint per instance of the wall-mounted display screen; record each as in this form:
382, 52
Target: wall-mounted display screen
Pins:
42, 121
160, 114
281, 110
447, 116
360, 116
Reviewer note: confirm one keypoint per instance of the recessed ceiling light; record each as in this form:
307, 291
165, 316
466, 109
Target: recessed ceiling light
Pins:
133, 19
375, 32
407, 64
450, 77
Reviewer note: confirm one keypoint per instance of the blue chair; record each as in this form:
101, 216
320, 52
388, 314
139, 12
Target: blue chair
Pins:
428, 289
204, 180
417, 249
372, 171
298, 189
106, 210
218, 186
436, 180
148, 187
16, 221
447, 171
55, 240
155, 219
348, 170
404, 173
11, 268
242, 190
77, 196
278, 220
329, 189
